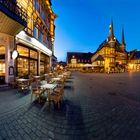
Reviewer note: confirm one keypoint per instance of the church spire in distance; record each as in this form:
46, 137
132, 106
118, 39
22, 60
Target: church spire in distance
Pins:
111, 30
123, 40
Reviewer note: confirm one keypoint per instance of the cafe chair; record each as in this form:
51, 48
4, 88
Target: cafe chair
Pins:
56, 96
36, 91
22, 87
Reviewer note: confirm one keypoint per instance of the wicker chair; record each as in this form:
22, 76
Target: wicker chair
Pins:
36, 91
56, 96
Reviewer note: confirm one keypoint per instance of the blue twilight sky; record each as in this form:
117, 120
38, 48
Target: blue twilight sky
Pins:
82, 25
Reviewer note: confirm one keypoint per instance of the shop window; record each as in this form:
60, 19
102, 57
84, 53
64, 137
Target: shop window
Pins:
42, 57
33, 54
42, 67
2, 68
23, 51
33, 67
22, 67
2, 50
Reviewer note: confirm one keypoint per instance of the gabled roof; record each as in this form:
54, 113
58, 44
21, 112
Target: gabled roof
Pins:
99, 58
79, 55
105, 43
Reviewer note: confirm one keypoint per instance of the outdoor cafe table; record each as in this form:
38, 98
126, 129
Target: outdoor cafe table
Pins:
22, 80
61, 75
50, 88
56, 79
37, 77
23, 84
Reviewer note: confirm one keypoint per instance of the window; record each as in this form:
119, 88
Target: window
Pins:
40, 36
33, 67
23, 51
37, 5
35, 32
43, 14
2, 50
42, 67
33, 54
2, 67
22, 67
26, 62
44, 63
42, 57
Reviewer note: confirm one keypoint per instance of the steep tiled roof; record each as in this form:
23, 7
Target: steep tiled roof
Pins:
79, 56
99, 58
105, 43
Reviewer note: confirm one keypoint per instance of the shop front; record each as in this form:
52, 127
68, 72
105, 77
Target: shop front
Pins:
33, 59
27, 61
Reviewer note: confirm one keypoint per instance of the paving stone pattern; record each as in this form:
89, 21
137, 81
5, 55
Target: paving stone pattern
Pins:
95, 106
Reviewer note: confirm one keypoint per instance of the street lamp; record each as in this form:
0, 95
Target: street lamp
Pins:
14, 54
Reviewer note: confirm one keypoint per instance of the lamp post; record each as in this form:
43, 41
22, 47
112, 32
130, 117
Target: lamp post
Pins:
14, 56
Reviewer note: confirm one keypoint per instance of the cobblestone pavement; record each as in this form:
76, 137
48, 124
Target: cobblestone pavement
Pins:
96, 106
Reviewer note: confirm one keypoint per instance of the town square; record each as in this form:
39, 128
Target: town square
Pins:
95, 106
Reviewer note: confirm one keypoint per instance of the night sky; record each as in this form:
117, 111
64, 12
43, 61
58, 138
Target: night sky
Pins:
82, 25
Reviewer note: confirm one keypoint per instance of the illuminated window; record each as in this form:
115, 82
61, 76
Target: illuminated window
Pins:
42, 57
23, 51
33, 54
2, 50
33, 67
2, 67
22, 67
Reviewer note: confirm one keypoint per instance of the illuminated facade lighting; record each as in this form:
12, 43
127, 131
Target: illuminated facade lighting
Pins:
31, 33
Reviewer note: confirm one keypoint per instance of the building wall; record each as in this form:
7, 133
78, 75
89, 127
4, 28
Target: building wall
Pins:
40, 23
6, 42
37, 37
111, 57
134, 65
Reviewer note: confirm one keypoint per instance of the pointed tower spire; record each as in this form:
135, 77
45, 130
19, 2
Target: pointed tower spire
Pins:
123, 40
111, 30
